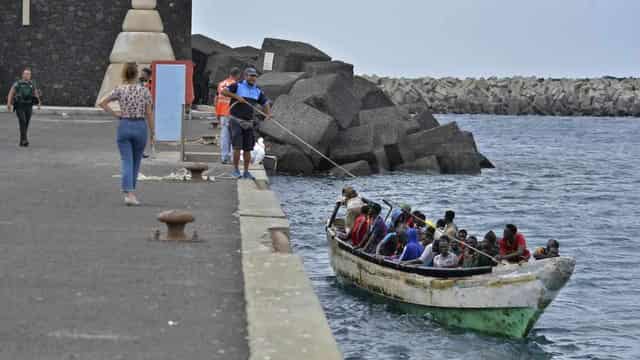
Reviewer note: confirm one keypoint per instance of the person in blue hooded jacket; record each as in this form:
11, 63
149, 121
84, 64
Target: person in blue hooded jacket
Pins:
413, 249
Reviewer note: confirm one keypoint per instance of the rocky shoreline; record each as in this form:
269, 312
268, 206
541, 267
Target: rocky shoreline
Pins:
606, 96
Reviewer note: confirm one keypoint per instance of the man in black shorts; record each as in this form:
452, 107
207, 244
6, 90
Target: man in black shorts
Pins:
244, 95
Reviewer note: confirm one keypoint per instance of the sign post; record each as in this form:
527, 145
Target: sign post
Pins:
172, 98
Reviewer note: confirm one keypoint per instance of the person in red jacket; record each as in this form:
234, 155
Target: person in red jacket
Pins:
513, 246
360, 230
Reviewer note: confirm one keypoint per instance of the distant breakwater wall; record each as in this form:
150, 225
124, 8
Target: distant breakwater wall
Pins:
605, 96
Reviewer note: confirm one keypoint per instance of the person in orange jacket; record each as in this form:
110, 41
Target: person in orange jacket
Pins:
223, 105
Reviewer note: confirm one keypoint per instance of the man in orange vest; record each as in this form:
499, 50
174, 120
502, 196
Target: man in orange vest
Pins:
223, 105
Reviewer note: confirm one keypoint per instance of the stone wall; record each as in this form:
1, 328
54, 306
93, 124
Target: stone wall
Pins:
69, 42
519, 95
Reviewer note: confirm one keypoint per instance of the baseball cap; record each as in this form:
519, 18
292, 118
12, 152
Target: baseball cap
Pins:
250, 71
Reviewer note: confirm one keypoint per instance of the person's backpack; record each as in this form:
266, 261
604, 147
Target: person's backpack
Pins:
25, 93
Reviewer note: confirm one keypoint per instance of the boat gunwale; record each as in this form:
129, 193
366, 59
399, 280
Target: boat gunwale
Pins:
432, 272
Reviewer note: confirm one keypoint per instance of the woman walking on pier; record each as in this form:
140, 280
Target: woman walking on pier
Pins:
135, 122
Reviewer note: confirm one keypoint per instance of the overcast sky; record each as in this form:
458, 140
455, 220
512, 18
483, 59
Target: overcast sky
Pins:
411, 38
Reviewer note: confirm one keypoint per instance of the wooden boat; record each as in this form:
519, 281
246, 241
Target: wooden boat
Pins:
505, 300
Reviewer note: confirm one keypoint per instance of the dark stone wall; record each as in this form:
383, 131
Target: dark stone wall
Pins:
69, 43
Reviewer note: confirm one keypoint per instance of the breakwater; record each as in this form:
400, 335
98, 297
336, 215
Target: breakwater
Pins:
605, 96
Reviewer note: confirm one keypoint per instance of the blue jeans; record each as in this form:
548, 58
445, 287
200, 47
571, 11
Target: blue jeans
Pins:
225, 139
132, 138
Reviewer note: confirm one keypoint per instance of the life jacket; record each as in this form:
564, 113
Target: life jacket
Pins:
223, 103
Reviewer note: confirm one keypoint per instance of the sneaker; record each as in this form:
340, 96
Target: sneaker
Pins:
236, 174
131, 201
248, 176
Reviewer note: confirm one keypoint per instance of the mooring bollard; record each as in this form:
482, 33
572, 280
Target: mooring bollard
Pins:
196, 170
176, 221
280, 240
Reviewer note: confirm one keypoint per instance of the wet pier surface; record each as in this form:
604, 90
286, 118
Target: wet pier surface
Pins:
79, 277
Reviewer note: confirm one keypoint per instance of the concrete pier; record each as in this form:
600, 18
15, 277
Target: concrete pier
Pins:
81, 279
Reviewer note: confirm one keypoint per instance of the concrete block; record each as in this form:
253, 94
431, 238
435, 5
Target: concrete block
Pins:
247, 51
220, 64
275, 84
208, 46
291, 160
143, 4
330, 94
141, 47
313, 126
354, 144
388, 124
290, 56
426, 120
428, 164
143, 21
456, 150
369, 94
315, 68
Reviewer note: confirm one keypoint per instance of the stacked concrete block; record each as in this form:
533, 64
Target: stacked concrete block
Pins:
142, 41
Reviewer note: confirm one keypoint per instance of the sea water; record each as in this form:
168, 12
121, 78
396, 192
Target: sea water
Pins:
575, 179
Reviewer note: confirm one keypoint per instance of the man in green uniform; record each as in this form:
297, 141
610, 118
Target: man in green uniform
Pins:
22, 96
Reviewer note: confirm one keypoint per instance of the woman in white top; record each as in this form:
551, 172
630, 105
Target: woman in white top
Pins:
135, 122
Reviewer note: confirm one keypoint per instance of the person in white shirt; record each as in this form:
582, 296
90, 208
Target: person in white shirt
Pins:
354, 204
446, 259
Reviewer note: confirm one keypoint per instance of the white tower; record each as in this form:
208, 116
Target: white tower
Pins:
142, 41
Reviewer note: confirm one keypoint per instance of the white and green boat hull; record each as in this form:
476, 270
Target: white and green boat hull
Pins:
507, 301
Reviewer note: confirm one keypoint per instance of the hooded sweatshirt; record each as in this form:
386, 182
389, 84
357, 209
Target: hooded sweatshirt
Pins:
413, 249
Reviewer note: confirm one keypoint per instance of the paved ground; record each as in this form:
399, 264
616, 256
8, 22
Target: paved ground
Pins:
78, 277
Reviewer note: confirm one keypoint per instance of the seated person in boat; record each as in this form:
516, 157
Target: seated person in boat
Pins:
406, 210
413, 249
431, 249
440, 225
445, 259
470, 258
419, 220
458, 246
484, 260
552, 250
398, 221
491, 241
428, 235
360, 228
389, 245
513, 246
377, 229
450, 228
354, 204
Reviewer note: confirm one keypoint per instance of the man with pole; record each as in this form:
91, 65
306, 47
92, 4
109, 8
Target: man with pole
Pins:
245, 95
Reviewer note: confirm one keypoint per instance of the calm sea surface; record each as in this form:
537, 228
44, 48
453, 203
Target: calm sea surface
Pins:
573, 179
